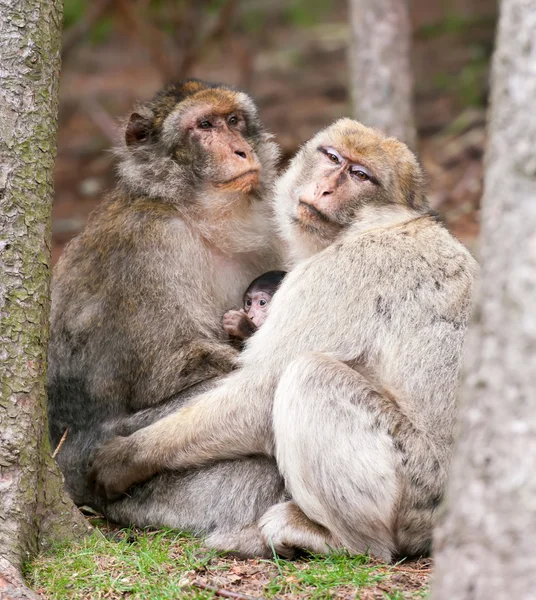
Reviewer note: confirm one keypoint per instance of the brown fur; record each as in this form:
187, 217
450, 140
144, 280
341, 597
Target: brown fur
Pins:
139, 295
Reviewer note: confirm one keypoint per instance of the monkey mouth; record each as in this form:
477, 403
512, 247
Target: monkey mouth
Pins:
249, 178
314, 221
310, 216
309, 211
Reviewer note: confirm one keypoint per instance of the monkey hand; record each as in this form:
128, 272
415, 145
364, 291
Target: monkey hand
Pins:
238, 325
117, 466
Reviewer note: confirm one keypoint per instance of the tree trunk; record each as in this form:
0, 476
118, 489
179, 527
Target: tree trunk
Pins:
380, 69
31, 489
485, 544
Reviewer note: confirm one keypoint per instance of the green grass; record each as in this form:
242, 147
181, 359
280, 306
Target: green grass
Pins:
143, 565
320, 575
164, 565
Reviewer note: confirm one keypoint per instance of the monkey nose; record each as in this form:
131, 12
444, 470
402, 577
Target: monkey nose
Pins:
245, 158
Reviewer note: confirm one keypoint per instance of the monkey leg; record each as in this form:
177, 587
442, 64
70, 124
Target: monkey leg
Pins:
222, 502
335, 452
177, 373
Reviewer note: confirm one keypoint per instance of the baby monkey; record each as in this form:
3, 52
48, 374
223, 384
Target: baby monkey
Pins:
242, 324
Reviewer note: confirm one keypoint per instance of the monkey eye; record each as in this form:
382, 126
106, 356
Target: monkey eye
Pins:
233, 120
333, 158
262, 302
332, 154
359, 173
248, 303
205, 125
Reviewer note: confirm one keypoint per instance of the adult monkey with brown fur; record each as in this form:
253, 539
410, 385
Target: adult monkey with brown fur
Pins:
353, 390
139, 295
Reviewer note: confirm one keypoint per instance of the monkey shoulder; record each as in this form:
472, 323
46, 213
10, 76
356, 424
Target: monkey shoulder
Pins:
422, 248
425, 271
417, 267
131, 251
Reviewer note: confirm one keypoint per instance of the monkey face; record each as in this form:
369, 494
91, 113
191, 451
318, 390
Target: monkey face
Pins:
256, 305
216, 128
338, 173
197, 138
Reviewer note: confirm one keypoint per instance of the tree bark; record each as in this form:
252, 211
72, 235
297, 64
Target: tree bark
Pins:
380, 69
485, 543
33, 505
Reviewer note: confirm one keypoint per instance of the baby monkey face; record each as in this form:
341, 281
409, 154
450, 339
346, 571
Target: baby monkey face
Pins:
256, 305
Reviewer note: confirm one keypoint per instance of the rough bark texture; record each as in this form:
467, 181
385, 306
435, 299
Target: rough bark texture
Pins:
485, 544
30, 484
380, 70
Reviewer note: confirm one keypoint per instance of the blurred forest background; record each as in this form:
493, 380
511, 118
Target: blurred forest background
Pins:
291, 55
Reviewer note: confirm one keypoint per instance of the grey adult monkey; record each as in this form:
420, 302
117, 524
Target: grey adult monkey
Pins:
138, 298
355, 390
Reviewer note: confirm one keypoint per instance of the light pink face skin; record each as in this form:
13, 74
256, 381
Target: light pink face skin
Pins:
256, 306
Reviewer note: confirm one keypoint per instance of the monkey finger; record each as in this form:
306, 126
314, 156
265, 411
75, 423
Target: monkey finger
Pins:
114, 469
231, 314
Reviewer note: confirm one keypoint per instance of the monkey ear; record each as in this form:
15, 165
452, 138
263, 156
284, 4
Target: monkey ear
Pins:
138, 130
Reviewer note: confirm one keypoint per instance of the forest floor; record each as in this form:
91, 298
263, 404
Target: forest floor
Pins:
300, 82
163, 565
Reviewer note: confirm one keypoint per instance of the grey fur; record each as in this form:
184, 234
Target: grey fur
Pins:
353, 390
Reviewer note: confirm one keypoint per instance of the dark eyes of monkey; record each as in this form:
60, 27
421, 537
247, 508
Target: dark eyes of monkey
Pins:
261, 303
207, 123
358, 171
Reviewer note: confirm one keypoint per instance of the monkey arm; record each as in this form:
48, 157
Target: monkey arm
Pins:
238, 325
217, 425
232, 420
192, 364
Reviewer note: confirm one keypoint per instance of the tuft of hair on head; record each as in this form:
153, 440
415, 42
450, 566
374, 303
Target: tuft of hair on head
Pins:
146, 122
268, 282
407, 176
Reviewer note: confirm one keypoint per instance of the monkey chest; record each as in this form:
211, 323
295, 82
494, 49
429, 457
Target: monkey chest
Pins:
231, 277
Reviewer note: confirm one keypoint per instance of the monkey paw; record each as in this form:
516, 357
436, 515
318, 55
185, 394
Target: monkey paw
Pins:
116, 467
237, 324
288, 531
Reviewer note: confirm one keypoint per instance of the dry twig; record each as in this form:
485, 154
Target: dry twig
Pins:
102, 120
224, 593
63, 438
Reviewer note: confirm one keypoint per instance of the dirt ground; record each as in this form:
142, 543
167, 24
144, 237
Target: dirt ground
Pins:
249, 578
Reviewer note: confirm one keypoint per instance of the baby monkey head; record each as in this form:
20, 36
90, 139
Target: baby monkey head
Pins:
338, 177
259, 294
196, 138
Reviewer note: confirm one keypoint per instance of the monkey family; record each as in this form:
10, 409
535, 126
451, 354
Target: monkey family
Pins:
334, 427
